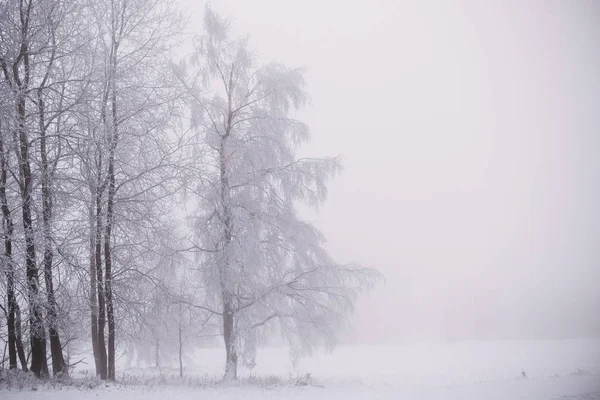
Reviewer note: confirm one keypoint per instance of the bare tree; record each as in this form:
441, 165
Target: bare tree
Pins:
87, 112
133, 154
16, 64
15, 345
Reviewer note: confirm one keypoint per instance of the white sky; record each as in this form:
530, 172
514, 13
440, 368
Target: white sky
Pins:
470, 133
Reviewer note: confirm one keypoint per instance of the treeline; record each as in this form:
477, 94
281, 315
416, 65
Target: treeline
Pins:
103, 139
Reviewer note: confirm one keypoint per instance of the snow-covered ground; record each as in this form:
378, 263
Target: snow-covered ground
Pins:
568, 369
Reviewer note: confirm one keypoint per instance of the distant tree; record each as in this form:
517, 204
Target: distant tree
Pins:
172, 320
264, 268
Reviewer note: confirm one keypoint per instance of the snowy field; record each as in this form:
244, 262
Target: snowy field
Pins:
568, 369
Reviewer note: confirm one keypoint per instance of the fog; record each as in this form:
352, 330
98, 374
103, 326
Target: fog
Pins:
469, 133
170, 228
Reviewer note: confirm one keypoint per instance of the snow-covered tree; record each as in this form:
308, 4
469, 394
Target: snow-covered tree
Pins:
265, 269
132, 164
38, 46
88, 167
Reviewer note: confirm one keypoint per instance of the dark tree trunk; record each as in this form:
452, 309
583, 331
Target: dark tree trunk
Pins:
101, 344
39, 363
7, 224
18, 76
19, 339
10, 292
104, 283
58, 361
101, 359
93, 284
10, 284
114, 138
108, 271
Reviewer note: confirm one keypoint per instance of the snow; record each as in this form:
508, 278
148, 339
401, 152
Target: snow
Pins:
565, 370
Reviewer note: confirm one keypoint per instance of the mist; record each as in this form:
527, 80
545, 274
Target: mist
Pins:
469, 136
387, 199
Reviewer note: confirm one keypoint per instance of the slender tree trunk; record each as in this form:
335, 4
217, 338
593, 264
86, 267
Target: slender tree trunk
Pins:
93, 284
8, 227
227, 285
108, 272
180, 347
58, 361
100, 342
10, 292
157, 354
10, 283
15, 343
231, 357
114, 139
100, 282
39, 363
101, 292
19, 339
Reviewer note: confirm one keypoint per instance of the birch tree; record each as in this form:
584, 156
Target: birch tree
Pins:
265, 269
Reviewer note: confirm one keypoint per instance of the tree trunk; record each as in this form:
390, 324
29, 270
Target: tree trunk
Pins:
19, 339
180, 348
114, 138
231, 357
101, 292
8, 227
39, 363
10, 291
58, 361
157, 354
101, 344
93, 284
108, 272
18, 80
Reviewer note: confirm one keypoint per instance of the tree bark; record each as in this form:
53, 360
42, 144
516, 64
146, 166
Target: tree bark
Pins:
39, 363
108, 262
19, 339
18, 79
38, 335
101, 343
114, 138
157, 354
93, 284
58, 361
231, 357
11, 302
8, 227
102, 371
180, 346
